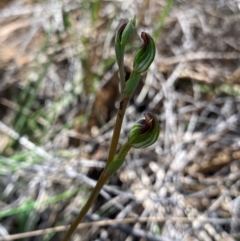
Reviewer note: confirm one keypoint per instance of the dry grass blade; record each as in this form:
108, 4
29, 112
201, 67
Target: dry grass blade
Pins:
113, 222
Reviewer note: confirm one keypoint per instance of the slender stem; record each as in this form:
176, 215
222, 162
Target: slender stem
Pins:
117, 129
104, 177
101, 181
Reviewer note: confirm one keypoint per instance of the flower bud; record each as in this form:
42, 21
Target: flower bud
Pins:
122, 37
125, 32
145, 132
145, 54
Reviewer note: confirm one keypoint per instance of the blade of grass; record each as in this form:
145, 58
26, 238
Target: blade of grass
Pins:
31, 204
18, 161
162, 19
21, 119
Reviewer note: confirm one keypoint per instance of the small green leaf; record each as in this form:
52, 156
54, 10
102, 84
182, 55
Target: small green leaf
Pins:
118, 159
114, 165
131, 84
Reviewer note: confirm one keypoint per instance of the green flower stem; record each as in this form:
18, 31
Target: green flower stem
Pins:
101, 181
117, 129
104, 176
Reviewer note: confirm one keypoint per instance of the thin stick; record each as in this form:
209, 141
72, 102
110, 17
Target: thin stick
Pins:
114, 222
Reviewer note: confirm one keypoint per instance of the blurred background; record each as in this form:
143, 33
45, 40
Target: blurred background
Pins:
58, 100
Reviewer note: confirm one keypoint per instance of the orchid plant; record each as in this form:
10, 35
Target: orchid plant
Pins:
145, 132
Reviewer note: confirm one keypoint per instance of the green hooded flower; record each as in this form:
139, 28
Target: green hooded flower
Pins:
145, 54
125, 32
122, 37
145, 132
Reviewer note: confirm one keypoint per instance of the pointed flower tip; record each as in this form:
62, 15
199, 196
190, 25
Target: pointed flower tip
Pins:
145, 132
145, 55
133, 21
125, 32
146, 39
120, 30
